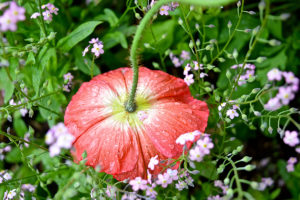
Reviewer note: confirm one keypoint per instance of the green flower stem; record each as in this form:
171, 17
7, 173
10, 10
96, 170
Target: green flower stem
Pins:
42, 19
130, 105
252, 47
231, 36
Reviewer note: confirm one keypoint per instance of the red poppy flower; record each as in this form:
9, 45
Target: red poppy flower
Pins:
122, 143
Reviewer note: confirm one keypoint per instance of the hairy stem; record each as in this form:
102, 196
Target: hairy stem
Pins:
130, 104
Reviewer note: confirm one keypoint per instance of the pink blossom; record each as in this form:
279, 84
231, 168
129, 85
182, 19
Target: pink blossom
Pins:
138, 184
291, 138
176, 62
197, 66
85, 50
189, 79
196, 154
153, 161
94, 40
273, 104
290, 78
68, 77
202, 75
185, 55
52, 8
274, 74
6, 23
58, 137
173, 175
181, 185
290, 168
182, 139
164, 10
150, 192
47, 15
231, 113
187, 69
28, 187
292, 160
98, 49
205, 145
35, 15
163, 180
285, 94
17, 13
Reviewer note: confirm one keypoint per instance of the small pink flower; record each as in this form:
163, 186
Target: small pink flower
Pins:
182, 139
173, 175
94, 40
52, 8
163, 180
98, 49
153, 161
187, 69
7, 23
185, 55
17, 13
85, 50
274, 74
176, 62
285, 94
138, 184
291, 138
273, 104
292, 160
181, 185
197, 66
290, 168
189, 79
150, 192
196, 154
205, 145
35, 15
202, 75
298, 149
231, 113
164, 10
47, 15
290, 78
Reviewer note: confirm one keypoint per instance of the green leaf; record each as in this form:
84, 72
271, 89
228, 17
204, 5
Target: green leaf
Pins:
30, 59
112, 39
80, 33
108, 16
36, 80
275, 193
6, 85
20, 127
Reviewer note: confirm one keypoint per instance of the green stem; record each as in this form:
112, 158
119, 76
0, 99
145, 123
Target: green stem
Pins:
42, 19
231, 36
130, 105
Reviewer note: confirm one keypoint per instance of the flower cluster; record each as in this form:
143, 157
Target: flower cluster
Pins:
164, 10
290, 167
23, 110
286, 93
58, 137
202, 148
13, 193
97, 47
49, 10
232, 112
248, 75
177, 62
4, 150
68, 77
265, 182
11, 16
4, 176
